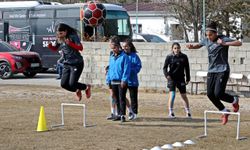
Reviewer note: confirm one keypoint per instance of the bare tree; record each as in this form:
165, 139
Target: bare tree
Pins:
188, 12
227, 13
230, 14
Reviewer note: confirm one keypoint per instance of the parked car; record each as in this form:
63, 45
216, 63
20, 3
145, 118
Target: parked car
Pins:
13, 61
147, 38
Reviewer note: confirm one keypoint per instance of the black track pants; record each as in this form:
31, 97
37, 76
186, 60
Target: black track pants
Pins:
120, 94
70, 77
133, 93
216, 86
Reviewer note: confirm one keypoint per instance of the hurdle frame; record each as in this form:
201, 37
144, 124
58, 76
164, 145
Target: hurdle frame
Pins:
219, 112
71, 104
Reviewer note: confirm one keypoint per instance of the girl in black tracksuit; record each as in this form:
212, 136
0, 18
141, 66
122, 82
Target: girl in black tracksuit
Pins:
175, 65
218, 68
69, 43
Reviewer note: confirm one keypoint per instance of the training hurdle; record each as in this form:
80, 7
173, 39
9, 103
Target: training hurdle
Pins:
219, 112
70, 104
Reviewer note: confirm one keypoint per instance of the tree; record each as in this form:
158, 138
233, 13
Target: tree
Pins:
188, 12
228, 14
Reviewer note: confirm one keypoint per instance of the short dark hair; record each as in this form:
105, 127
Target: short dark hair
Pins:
212, 26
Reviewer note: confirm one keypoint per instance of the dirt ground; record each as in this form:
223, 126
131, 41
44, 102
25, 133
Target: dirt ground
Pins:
20, 107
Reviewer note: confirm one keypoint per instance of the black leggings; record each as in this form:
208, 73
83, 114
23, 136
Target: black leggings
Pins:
133, 93
216, 86
120, 98
70, 77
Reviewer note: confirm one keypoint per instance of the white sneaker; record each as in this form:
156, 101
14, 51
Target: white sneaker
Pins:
131, 116
188, 115
171, 115
135, 116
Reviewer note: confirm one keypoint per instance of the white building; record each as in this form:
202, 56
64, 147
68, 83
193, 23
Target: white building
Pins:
153, 18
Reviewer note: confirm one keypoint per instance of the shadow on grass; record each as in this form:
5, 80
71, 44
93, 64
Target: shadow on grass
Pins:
168, 122
177, 119
162, 125
38, 76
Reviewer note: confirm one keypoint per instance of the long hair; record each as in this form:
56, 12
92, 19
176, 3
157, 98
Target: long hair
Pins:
131, 45
177, 44
116, 41
65, 27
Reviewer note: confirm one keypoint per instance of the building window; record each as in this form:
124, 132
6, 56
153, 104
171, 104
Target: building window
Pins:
139, 28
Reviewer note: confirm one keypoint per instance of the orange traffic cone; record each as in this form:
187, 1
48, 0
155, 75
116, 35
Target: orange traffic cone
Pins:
41, 126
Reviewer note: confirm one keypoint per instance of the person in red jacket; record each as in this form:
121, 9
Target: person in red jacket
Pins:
69, 43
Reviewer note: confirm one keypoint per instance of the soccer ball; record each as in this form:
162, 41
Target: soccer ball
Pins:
94, 14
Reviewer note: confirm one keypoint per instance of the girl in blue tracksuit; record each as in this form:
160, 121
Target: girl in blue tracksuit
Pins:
133, 83
118, 75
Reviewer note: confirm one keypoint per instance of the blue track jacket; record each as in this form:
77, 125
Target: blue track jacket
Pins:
119, 68
135, 69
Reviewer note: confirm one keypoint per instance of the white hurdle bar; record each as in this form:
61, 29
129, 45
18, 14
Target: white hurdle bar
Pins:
219, 112
70, 104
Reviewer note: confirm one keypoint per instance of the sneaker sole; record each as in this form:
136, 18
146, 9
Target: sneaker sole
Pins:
170, 117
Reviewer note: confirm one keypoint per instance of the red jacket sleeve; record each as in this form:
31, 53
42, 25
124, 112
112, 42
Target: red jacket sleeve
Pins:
53, 48
75, 46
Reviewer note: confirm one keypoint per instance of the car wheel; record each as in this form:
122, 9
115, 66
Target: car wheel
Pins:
29, 74
5, 70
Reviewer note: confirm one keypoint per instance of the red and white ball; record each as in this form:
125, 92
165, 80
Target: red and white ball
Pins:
94, 14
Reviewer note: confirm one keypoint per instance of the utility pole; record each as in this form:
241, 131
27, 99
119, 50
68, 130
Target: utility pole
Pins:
136, 16
204, 19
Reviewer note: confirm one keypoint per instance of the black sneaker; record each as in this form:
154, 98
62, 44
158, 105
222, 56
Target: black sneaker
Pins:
123, 119
112, 116
116, 118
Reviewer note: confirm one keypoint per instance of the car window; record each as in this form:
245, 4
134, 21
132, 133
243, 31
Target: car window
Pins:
153, 38
138, 40
6, 48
